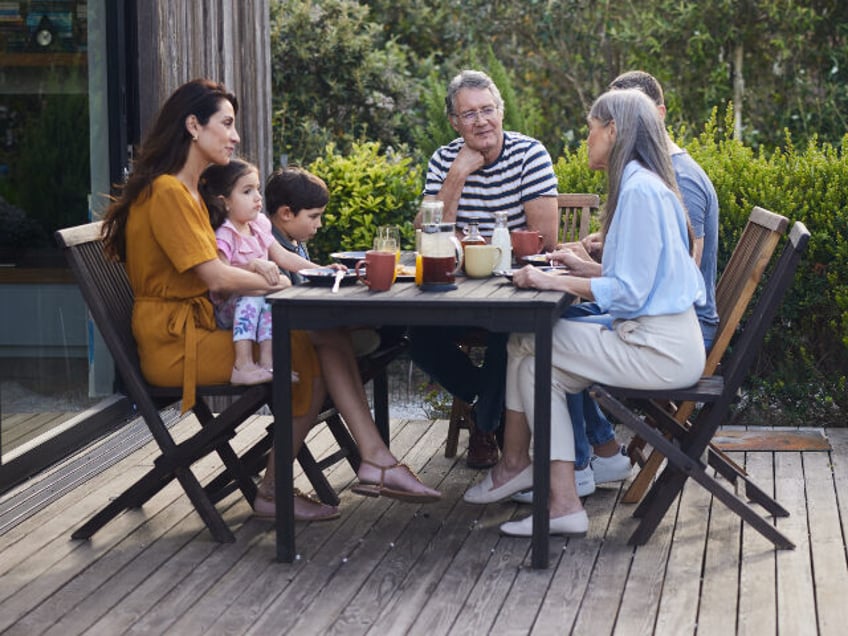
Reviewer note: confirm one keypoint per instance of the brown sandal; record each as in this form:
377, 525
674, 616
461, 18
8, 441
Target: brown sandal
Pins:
264, 508
369, 489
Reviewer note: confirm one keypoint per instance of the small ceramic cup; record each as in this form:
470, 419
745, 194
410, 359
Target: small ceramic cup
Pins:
526, 242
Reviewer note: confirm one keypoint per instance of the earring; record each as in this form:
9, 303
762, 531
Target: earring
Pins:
194, 137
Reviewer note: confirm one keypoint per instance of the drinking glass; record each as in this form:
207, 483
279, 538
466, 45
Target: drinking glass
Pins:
387, 239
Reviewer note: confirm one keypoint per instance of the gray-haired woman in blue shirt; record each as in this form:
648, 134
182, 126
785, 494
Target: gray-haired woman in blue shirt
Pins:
649, 286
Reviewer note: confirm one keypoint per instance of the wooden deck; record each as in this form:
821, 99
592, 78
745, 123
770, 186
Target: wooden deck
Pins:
392, 568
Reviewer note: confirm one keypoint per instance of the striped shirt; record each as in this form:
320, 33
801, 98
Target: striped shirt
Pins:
521, 173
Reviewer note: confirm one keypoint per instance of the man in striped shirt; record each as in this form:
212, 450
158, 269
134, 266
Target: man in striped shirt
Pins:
484, 171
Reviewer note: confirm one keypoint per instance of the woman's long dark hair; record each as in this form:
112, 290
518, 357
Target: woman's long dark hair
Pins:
218, 181
164, 151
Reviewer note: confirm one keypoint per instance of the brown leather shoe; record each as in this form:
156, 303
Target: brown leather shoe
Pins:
482, 448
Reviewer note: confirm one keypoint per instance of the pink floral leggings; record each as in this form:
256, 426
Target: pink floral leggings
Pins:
248, 316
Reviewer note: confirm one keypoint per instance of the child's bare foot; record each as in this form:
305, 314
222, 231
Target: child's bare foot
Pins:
252, 374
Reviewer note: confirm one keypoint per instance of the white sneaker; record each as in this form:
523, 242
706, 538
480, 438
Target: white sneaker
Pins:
615, 468
585, 480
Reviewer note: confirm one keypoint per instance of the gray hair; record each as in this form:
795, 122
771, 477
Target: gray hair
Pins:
471, 79
639, 136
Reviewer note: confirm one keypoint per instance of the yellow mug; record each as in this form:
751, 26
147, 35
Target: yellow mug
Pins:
481, 260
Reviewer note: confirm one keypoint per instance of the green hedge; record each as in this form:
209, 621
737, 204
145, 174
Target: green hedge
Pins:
368, 188
800, 376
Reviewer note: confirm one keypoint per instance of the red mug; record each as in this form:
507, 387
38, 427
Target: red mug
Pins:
379, 270
526, 242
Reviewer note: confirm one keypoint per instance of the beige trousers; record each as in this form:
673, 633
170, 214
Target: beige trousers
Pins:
651, 352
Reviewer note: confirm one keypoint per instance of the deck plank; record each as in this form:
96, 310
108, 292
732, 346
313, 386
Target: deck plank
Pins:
717, 605
587, 597
828, 553
796, 612
681, 588
757, 612
643, 592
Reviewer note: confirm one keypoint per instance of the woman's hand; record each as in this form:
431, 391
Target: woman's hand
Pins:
266, 269
594, 245
577, 260
534, 278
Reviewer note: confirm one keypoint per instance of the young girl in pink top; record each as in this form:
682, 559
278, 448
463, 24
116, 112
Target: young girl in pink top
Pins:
234, 200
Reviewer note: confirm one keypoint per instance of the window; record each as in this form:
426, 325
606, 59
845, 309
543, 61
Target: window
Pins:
52, 72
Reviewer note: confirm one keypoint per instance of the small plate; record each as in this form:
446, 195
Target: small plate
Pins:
556, 269
538, 260
326, 276
349, 259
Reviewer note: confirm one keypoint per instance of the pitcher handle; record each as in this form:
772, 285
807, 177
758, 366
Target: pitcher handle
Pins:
457, 246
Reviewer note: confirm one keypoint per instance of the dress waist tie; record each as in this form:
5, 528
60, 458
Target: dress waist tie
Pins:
189, 314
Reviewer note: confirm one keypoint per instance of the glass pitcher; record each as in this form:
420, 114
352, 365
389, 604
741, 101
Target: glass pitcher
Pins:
441, 254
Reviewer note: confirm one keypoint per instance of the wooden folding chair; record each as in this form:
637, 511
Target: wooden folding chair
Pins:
107, 292
718, 392
575, 210
734, 291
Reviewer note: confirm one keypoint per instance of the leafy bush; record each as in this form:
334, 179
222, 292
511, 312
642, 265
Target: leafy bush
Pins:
368, 188
801, 371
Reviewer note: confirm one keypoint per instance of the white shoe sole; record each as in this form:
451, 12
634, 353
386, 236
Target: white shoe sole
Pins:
573, 525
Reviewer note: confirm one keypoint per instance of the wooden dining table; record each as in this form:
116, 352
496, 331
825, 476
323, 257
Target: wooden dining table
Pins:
489, 303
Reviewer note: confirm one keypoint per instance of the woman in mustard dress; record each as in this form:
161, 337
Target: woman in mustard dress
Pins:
160, 227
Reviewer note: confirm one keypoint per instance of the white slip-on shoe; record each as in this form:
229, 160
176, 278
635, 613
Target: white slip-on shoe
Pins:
574, 525
615, 468
585, 481
484, 492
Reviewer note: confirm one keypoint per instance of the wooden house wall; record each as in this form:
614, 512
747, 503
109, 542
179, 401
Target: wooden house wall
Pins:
225, 40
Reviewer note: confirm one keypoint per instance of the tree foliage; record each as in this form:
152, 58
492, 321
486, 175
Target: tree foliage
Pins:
347, 70
335, 78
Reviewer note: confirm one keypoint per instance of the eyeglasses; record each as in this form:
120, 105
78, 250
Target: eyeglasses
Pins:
470, 116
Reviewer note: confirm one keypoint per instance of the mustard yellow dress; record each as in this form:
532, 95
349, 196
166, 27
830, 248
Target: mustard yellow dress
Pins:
167, 234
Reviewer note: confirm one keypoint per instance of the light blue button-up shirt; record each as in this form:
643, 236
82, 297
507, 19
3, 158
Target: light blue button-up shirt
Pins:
646, 266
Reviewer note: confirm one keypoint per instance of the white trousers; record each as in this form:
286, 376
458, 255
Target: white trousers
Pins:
651, 352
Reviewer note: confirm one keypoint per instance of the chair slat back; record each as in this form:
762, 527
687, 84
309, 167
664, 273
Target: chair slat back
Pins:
575, 211
747, 346
106, 290
104, 286
742, 274
738, 282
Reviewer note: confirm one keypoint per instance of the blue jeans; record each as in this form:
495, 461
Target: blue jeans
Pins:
591, 427
435, 351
